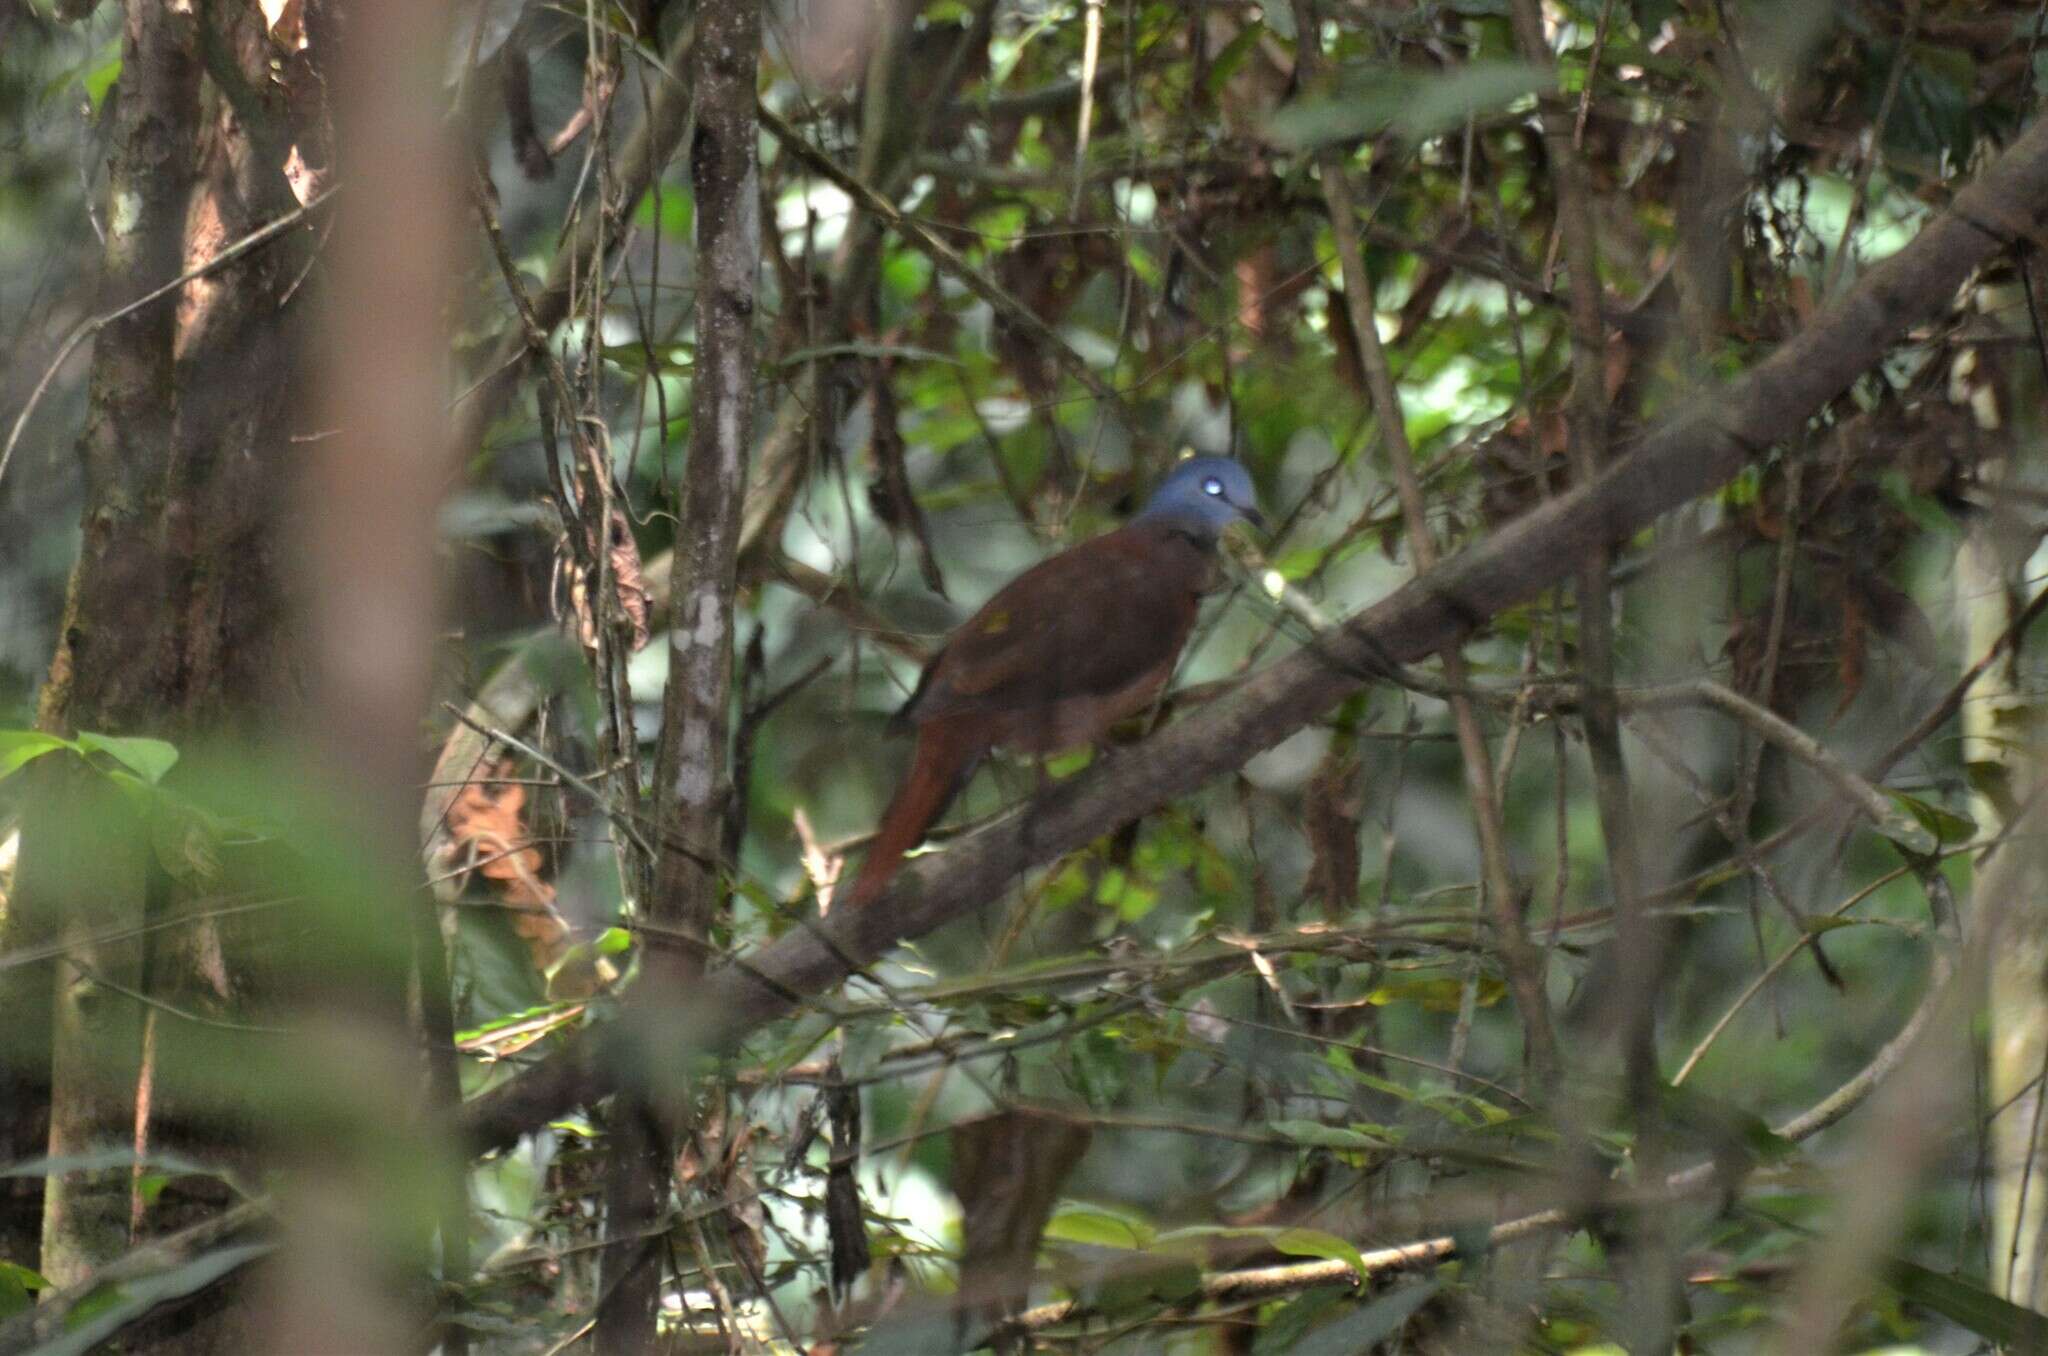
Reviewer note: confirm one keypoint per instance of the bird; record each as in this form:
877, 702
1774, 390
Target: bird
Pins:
1063, 651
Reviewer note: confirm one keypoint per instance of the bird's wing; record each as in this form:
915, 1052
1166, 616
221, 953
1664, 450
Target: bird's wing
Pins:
1089, 621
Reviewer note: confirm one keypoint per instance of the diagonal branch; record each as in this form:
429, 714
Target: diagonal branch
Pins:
1691, 454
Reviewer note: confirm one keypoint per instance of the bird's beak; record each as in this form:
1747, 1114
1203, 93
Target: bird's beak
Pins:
1252, 516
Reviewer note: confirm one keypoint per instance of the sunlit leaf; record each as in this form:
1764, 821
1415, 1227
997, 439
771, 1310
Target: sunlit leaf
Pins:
1084, 1224
19, 747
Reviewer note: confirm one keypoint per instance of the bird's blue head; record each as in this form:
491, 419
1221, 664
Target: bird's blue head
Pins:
1204, 495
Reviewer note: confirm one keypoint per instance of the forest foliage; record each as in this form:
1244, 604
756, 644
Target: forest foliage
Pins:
1651, 961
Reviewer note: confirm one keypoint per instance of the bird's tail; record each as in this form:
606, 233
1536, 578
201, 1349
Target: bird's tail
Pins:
939, 768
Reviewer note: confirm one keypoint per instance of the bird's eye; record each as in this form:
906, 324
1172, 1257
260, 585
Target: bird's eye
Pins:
1212, 486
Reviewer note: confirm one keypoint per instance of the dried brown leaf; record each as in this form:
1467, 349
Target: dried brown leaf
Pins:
487, 836
1007, 1171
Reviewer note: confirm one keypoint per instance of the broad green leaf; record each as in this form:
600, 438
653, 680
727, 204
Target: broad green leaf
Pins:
1118, 1280
102, 1314
1085, 1224
1099, 1067
99, 78
15, 1283
494, 971
21, 1275
99, 1160
1281, 1329
1374, 1322
2000, 1321
1930, 826
19, 747
148, 759
1233, 55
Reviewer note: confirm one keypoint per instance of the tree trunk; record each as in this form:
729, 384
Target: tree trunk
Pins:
692, 775
172, 628
2001, 751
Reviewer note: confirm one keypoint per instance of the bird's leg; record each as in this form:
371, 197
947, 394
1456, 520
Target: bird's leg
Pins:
1041, 775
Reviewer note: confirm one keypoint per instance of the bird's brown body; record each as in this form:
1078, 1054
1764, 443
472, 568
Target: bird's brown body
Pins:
1060, 654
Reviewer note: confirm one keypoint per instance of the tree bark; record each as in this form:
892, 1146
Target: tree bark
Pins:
173, 627
692, 776
2002, 755
111, 665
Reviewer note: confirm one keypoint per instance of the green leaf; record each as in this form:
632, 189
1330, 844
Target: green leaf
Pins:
493, 969
148, 759
20, 747
1281, 1329
636, 358
1099, 1067
1417, 106
673, 208
99, 78
22, 1276
107, 1310
100, 1160
1118, 1280
1372, 1324
1315, 1134
1293, 1242
1930, 826
1316, 1243
15, 1283
1083, 1224
1232, 56
2000, 1321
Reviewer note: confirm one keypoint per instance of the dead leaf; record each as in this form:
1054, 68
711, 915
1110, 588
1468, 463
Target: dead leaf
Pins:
846, 1226
487, 836
890, 495
285, 21
629, 588
822, 867
1007, 1171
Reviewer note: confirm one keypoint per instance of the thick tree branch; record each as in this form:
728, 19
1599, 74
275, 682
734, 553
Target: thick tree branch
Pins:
1687, 456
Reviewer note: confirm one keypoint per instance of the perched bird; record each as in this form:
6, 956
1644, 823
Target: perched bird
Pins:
1065, 650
